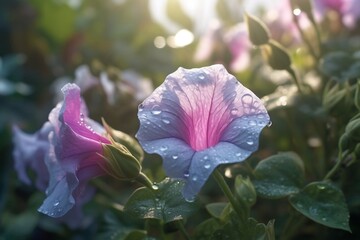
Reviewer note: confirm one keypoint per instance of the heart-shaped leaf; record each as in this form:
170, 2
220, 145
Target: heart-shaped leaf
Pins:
279, 175
323, 203
166, 203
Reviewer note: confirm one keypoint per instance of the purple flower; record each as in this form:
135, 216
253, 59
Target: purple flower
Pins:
30, 151
200, 118
69, 145
74, 155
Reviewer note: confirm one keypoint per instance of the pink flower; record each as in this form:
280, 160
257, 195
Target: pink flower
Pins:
65, 154
237, 39
200, 118
74, 153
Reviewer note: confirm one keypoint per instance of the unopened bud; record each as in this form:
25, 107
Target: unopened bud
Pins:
129, 142
121, 164
258, 32
245, 190
276, 56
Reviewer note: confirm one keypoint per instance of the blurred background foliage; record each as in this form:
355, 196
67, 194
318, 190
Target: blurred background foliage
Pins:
43, 43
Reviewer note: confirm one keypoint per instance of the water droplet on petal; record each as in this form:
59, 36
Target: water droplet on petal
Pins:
194, 178
250, 142
175, 156
155, 186
190, 199
201, 76
56, 204
238, 154
269, 124
166, 121
207, 165
156, 112
252, 123
206, 157
163, 148
186, 175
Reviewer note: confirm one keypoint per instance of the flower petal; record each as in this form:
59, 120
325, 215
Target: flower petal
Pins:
175, 153
204, 163
29, 151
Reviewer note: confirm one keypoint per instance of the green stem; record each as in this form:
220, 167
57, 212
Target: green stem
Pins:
296, 79
303, 36
182, 229
294, 222
225, 188
336, 167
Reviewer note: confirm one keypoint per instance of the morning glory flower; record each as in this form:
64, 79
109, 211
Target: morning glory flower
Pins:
30, 151
65, 154
198, 119
74, 155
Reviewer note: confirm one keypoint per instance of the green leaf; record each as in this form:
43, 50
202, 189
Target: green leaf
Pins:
323, 203
279, 175
250, 230
166, 203
115, 228
205, 230
216, 209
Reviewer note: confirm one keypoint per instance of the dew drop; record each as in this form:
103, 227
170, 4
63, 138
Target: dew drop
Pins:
190, 199
186, 175
156, 112
201, 76
166, 121
175, 157
207, 165
234, 111
269, 124
250, 142
194, 178
56, 204
206, 157
252, 123
155, 186
247, 99
238, 154
260, 116
321, 187
163, 148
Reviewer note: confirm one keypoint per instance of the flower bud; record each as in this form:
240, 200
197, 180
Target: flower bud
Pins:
244, 190
258, 32
129, 142
121, 164
276, 56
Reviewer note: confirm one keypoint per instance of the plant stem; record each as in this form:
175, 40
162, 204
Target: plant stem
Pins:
182, 229
225, 188
292, 225
336, 167
296, 79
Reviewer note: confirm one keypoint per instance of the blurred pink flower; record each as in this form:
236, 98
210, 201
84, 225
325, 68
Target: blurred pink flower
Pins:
237, 39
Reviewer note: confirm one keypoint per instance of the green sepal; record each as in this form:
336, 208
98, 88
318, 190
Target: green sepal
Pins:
120, 163
129, 142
